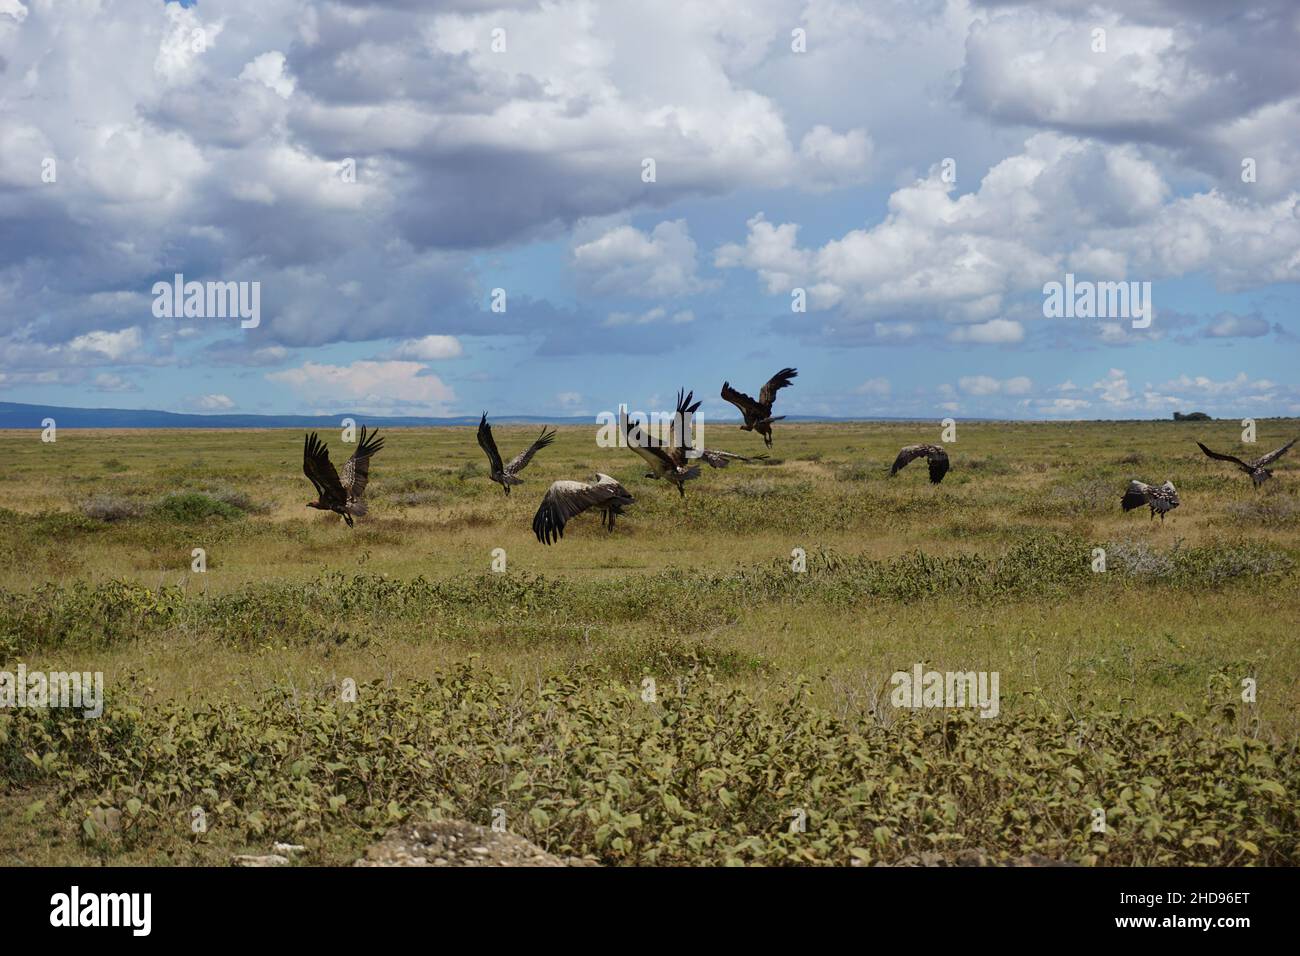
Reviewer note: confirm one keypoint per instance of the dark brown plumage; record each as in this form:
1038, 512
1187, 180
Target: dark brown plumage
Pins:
1159, 499
1255, 466
758, 414
340, 494
668, 461
507, 474
936, 455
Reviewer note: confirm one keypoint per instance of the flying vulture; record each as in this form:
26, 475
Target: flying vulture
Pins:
758, 414
341, 495
1255, 467
936, 455
667, 461
564, 499
1160, 500
507, 475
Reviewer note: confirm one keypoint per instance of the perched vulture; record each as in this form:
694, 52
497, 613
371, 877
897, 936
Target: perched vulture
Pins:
507, 475
758, 414
936, 455
1160, 500
667, 461
341, 495
564, 499
1255, 467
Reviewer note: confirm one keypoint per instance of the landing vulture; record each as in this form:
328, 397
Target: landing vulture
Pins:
1255, 467
936, 455
507, 475
342, 495
1160, 500
564, 499
667, 461
758, 414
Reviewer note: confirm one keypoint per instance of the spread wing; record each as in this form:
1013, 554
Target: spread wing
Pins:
684, 410
1136, 495
906, 455
317, 467
564, 499
356, 470
748, 407
1232, 458
721, 459
658, 460
521, 460
938, 458
774, 384
489, 445
1273, 455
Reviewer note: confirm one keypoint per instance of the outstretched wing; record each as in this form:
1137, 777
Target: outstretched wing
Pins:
1136, 495
356, 471
684, 411
1232, 458
489, 445
317, 467
521, 460
640, 442
774, 384
721, 459
906, 455
748, 407
564, 499
1275, 454
938, 458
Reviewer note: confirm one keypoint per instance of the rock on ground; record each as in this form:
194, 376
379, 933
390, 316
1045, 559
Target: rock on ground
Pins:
457, 843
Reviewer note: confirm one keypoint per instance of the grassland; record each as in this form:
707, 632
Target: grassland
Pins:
990, 571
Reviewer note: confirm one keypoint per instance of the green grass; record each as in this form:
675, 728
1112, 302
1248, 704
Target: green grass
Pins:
992, 570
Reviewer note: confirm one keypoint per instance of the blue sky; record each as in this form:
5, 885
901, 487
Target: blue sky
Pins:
140, 140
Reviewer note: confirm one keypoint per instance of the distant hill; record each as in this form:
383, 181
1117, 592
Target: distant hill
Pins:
18, 415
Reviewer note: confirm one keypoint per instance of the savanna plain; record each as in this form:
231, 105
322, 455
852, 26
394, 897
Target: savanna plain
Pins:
675, 692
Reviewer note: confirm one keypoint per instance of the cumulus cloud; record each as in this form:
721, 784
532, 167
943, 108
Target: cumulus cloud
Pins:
627, 261
368, 386
429, 348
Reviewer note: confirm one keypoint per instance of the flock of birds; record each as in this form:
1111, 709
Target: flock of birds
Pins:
667, 459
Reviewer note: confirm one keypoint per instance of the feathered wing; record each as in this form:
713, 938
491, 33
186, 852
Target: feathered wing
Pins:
748, 407
356, 471
774, 384
1273, 455
565, 499
489, 445
905, 456
521, 460
1137, 494
658, 460
1232, 458
317, 467
938, 459
720, 459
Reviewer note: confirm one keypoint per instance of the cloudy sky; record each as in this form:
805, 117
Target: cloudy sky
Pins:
914, 172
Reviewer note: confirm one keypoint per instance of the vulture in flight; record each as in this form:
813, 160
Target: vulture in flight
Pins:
507, 475
936, 455
564, 499
342, 495
1160, 500
668, 461
758, 414
1255, 467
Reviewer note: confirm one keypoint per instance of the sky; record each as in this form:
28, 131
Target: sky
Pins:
648, 192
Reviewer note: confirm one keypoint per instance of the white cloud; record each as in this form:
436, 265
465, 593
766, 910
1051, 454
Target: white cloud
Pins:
879, 387
651, 316
627, 261
111, 345
992, 332
214, 403
429, 348
371, 385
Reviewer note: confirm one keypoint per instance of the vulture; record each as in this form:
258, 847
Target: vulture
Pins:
936, 455
758, 414
341, 495
507, 475
668, 461
1139, 493
564, 499
1255, 467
